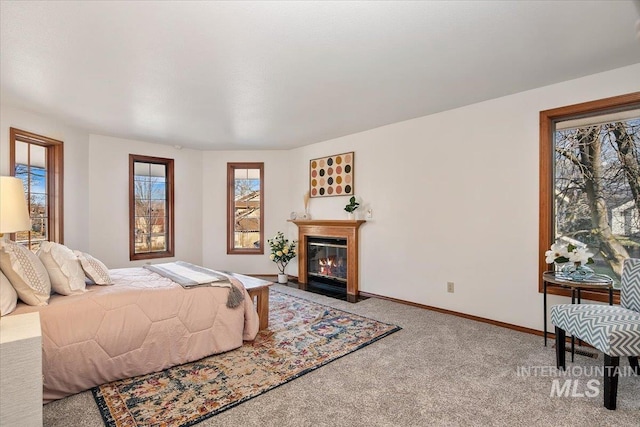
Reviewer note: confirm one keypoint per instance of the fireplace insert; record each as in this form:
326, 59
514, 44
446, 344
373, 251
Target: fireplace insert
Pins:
327, 264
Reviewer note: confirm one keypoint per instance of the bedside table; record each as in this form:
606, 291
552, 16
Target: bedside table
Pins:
21, 370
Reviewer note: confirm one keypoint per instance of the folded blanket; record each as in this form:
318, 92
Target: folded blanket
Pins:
190, 275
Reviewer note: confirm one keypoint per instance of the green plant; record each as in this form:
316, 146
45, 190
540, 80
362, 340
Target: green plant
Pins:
352, 205
282, 251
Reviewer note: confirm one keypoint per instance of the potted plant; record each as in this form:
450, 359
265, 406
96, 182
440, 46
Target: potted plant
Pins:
351, 206
282, 251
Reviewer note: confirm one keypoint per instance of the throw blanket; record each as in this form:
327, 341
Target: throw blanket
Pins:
189, 275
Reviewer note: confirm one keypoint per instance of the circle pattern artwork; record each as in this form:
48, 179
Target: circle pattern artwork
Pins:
331, 176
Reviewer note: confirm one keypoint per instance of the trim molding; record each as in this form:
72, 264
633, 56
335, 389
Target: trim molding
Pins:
546, 198
550, 335
169, 210
231, 208
463, 315
55, 177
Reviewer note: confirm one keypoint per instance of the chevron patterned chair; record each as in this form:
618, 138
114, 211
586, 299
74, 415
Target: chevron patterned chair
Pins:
612, 329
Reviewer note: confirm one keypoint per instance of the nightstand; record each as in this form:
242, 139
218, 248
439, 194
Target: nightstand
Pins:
21, 370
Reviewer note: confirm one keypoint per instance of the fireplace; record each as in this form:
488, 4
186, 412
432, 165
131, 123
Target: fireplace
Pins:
327, 262
328, 255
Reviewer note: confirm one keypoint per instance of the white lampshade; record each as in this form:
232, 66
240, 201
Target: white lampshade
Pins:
14, 213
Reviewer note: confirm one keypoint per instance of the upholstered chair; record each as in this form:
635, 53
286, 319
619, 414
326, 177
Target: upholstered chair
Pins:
612, 329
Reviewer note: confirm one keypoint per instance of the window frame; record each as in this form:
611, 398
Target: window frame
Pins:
231, 168
55, 178
170, 233
548, 119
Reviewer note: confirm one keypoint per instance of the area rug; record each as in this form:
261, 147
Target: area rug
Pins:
302, 336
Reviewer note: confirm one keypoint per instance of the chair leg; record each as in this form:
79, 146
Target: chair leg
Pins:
633, 361
560, 355
610, 381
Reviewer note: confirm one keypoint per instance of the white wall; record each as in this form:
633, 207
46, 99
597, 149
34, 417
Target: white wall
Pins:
455, 198
76, 169
277, 189
109, 199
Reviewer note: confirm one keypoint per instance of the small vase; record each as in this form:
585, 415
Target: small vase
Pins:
350, 216
576, 271
283, 278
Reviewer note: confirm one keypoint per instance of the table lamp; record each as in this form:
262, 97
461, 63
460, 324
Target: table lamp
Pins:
14, 214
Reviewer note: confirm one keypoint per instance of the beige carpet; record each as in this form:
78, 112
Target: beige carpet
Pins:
439, 370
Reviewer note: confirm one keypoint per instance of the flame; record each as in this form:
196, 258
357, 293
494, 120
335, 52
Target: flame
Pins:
326, 265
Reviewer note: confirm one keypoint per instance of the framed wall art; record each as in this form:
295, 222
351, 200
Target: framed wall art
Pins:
331, 176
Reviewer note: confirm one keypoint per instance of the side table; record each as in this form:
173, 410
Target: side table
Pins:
598, 281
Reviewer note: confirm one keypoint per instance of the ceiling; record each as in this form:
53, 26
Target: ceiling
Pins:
278, 75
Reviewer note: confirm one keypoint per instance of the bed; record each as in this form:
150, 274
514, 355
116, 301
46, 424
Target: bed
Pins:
142, 323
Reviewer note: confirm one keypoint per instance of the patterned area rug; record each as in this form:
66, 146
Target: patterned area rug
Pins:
302, 336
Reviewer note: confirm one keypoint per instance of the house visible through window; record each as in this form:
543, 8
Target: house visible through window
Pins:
245, 196
150, 207
590, 180
37, 161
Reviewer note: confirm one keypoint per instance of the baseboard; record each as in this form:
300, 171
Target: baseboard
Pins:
550, 335
464, 315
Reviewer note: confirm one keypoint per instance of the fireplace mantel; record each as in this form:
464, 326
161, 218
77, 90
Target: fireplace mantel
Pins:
345, 229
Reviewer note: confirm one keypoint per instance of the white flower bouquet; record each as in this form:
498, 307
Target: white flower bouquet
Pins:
282, 251
573, 258
561, 254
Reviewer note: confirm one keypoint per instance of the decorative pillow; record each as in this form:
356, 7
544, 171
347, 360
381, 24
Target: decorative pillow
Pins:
26, 273
65, 271
94, 269
8, 296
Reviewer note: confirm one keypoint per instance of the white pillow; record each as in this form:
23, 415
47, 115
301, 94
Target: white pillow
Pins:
94, 269
8, 296
26, 273
65, 271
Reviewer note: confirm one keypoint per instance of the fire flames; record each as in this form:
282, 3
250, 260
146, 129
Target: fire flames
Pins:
326, 265
330, 266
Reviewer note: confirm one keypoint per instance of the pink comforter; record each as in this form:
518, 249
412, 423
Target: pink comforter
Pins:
144, 323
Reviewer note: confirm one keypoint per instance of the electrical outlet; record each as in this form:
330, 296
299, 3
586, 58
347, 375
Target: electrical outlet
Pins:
450, 287
369, 213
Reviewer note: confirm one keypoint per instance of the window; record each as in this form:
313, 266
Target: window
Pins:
590, 181
245, 191
151, 219
37, 160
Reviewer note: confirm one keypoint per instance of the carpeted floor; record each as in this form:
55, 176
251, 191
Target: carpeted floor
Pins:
439, 370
